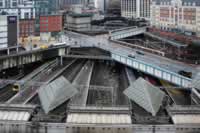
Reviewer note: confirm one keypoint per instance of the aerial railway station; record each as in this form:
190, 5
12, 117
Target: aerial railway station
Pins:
91, 87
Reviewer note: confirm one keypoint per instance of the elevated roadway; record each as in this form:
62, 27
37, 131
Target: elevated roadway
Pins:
25, 57
88, 57
152, 64
155, 65
126, 32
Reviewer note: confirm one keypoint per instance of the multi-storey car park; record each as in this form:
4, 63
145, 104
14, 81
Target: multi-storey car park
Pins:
95, 87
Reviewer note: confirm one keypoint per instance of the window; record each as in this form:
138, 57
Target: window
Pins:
1, 3
26, 15
14, 4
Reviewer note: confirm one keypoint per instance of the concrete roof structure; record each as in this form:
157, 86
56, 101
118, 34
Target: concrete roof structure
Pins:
186, 119
145, 95
56, 93
96, 118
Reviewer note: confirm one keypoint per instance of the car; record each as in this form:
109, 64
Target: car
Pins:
131, 55
186, 74
139, 52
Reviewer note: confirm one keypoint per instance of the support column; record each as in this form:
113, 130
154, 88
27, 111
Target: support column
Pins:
61, 52
8, 51
61, 60
17, 48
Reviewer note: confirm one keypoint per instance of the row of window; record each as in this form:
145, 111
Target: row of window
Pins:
184, 3
7, 3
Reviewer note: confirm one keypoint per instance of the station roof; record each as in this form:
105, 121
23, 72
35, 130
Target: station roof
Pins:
14, 116
186, 119
56, 93
145, 95
96, 118
184, 114
16, 112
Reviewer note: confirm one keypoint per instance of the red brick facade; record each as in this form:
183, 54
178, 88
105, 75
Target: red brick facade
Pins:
51, 23
26, 27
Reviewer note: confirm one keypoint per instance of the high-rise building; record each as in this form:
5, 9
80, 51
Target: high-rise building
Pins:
8, 3
41, 8
84, 2
51, 23
173, 15
8, 31
135, 8
101, 5
23, 8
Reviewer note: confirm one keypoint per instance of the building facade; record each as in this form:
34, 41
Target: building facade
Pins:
26, 27
135, 8
101, 5
84, 2
78, 22
51, 23
175, 15
8, 31
23, 8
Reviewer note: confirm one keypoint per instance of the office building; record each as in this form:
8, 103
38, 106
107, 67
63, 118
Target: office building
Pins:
78, 21
51, 23
101, 5
8, 31
23, 8
135, 8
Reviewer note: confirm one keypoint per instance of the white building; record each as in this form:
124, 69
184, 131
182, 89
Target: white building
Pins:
101, 5
135, 8
24, 8
3, 32
78, 22
8, 31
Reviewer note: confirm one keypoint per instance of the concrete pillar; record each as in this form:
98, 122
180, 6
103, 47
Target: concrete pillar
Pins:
8, 51
61, 60
61, 51
17, 48
68, 51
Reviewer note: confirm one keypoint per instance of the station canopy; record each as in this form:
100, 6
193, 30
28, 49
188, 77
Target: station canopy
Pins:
98, 118
14, 116
16, 112
145, 95
186, 119
56, 93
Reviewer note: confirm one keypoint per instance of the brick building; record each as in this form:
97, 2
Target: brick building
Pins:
176, 15
51, 23
26, 27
